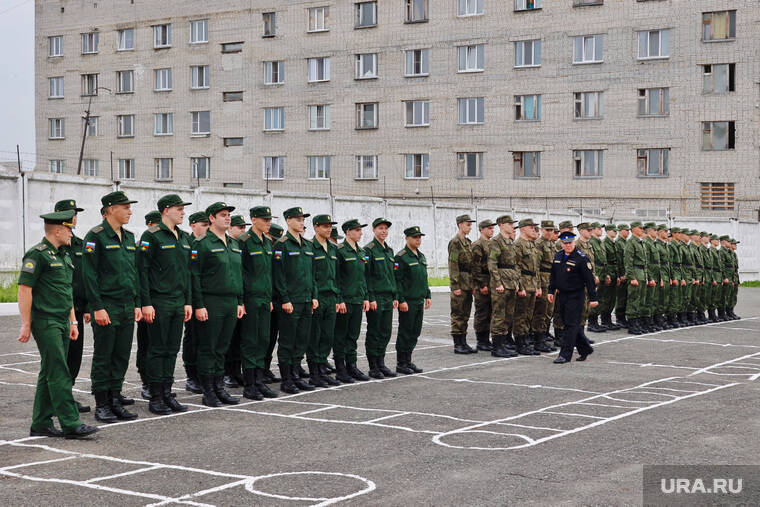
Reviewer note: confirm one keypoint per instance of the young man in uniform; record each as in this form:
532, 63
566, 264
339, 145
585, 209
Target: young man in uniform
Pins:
151, 218
199, 227
503, 287
460, 276
481, 278
233, 374
527, 262
541, 316
275, 232
608, 287
636, 275
621, 296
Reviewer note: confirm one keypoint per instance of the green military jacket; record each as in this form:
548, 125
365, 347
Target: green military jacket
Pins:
257, 266
546, 257
49, 272
620, 245
460, 264
163, 263
480, 274
411, 276
653, 260
502, 263
76, 251
109, 268
599, 258
687, 262
527, 259
216, 269
699, 268
325, 269
666, 273
381, 276
735, 267
676, 260
715, 264
636, 260
707, 264
587, 248
352, 278
293, 279
610, 254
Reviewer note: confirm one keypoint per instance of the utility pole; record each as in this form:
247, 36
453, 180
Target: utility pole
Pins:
86, 125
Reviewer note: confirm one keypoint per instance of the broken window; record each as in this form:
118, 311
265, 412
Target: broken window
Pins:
718, 135
653, 161
527, 107
719, 78
720, 25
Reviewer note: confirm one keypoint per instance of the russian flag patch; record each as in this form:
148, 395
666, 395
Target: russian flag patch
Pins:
395, 266
144, 245
193, 254
278, 254
89, 246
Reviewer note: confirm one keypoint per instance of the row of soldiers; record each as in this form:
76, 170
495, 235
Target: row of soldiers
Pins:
649, 276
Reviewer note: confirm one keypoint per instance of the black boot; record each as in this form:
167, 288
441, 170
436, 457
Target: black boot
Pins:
721, 315
341, 373
326, 376
124, 400
593, 325
315, 378
103, 412
223, 395
270, 377
653, 324
499, 349
144, 388
374, 368
286, 384
539, 344
192, 384
229, 381
82, 408
692, 318
402, 363
258, 375
509, 342
170, 399
355, 372
209, 393
522, 346
558, 337
682, 320
621, 321
156, 404
459, 344
483, 342
384, 369
295, 374
463, 341
118, 408
411, 365
633, 327
330, 367
733, 315
711, 315
548, 341
250, 390
673, 319
301, 372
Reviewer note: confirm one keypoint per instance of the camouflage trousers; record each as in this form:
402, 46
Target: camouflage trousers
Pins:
524, 307
635, 307
502, 311
621, 299
482, 319
607, 295
542, 312
461, 306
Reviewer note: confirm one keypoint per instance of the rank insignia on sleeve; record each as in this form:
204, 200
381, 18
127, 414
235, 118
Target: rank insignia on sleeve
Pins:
144, 245
89, 247
29, 265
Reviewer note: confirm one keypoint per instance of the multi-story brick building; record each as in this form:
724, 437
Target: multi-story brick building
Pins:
624, 104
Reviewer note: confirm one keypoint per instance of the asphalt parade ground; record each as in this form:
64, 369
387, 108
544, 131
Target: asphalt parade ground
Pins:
470, 430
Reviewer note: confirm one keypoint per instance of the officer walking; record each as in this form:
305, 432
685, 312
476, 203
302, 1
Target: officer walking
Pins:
462, 287
503, 288
481, 278
151, 218
46, 306
564, 226
199, 227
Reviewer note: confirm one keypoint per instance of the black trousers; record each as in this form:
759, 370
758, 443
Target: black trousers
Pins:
571, 306
74, 355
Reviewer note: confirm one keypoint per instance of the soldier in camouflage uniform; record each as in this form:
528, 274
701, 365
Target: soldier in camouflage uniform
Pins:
600, 272
608, 287
662, 308
527, 262
481, 278
462, 286
541, 316
622, 287
503, 288
636, 274
687, 272
653, 281
734, 291
584, 245
717, 281
699, 272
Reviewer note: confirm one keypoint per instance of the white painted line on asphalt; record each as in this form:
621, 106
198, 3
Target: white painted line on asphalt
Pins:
387, 417
321, 409
572, 414
35, 463
512, 384
123, 474
645, 365
708, 368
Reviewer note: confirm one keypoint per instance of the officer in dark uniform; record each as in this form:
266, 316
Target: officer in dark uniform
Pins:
572, 277
275, 233
199, 226
151, 218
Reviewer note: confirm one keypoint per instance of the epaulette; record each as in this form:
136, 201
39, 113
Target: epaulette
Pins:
41, 247
282, 239
96, 229
400, 252
581, 253
153, 229
244, 237
371, 244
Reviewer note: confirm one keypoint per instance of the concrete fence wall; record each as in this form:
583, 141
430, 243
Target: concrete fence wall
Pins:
24, 197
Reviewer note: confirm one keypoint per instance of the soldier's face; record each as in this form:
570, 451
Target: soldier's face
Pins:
585, 233
597, 232
262, 225
652, 233
236, 230
624, 233
506, 229
296, 224
612, 234
354, 234
199, 228
176, 214
381, 232
487, 232
465, 228
547, 233
715, 243
121, 213
74, 221
220, 221
705, 240
64, 234
414, 241
733, 246
323, 230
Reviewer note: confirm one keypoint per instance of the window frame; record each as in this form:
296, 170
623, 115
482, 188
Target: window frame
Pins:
274, 116
646, 101
90, 85
269, 21
56, 84
360, 57
123, 121
648, 34
730, 135
424, 62
93, 127
479, 58
55, 42
164, 119
194, 169
200, 78
731, 25
466, 105
319, 164
120, 81
157, 164
231, 142
228, 96
581, 101
56, 128
645, 155
194, 31
58, 164
127, 169
162, 36
536, 46
519, 163
361, 115
358, 14
584, 38
410, 11
730, 78
121, 39
269, 72
579, 159
463, 159
360, 167
424, 166
276, 162
536, 3
424, 113
90, 43
317, 14
314, 117
520, 109
314, 63
199, 123
168, 73
465, 5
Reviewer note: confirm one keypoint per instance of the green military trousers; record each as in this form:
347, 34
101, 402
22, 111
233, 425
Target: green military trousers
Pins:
254, 332
347, 328
524, 313
461, 307
621, 300
607, 295
142, 349
635, 307
190, 343
322, 330
409, 327
214, 334
541, 316
164, 339
482, 319
502, 311
379, 326
295, 329
112, 345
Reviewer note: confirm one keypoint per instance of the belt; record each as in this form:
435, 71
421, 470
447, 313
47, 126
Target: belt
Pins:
544, 270
526, 272
506, 266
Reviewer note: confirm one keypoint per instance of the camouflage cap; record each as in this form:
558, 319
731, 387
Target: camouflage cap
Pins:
675, 230
566, 224
713, 237
704, 234
636, 223
486, 223
724, 238
662, 227
650, 225
595, 225
583, 226
505, 219
464, 218
610, 227
624, 227
526, 222
547, 224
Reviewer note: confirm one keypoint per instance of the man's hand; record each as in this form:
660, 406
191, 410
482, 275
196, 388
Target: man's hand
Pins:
428, 303
539, 293
714, 283
395, 304
683, 283
240, 311
149, 314
25, 333
314, 304
403, 307
593, 304
635, 282
138, 315
484, 290
86, 318
500, 289
373, 306
188, 312
521, 293
341, 307
662, 283
550, 298
102, 318
596, 280
287, 307
457, 292
608, 280
201, 314
271, 307
365, 306
73, 332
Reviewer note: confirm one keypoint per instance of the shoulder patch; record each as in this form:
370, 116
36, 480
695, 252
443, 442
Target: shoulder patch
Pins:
153, 229
41, 247
29, 265
371, 244
97, 229
580, 252
282, 239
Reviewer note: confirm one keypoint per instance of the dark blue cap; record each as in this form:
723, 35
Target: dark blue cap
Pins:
566, 237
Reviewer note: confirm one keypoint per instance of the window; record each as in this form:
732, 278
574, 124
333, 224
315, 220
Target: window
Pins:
652, 161
366, 15
319, 117
125, 125
417, 62
366, 66
274, 72
527, 164
588, 105
416, 11
90, 167
527, 107
55, 45
57, 166
528, 53
470, 7
200, 77
719, 25
588, 49
233, 141
417, 166
164, 168
164, 124
198, 32
417, 113
588, 163
201, 122
270, 24
471, 111
367, 115
470, 165
89, 84
57, 128
200, 167
162, 36
654, 102
126, 169
90, 43
719, 78
274, 168
125, 80
366, 167
163, 80
56, 87
319, 167
319, 69
92, 126
274, 118
718, 135
470, 58
718, 196
318, 19
232, 96
527, 5
582, 3
125, 39
654, 44
645, 213
232, 47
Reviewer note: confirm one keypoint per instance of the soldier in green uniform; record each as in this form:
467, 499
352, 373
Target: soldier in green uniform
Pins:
735, 282
481, 278
199, 227
715, 279
46, 306
353, 301
82, 316
323, 318
503, 288
653, 281
233, 373
674, 291
527, 263
600, 272
636, 275
296, 296
413, 298
383, 299
462, 287
706, 277
151, 218
217, 294
163, 264
693, 282
696, 247
256, 249
113, 295
608, 286
275, 233
662, 303
621, 298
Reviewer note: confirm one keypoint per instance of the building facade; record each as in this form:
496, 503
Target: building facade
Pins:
628, 106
